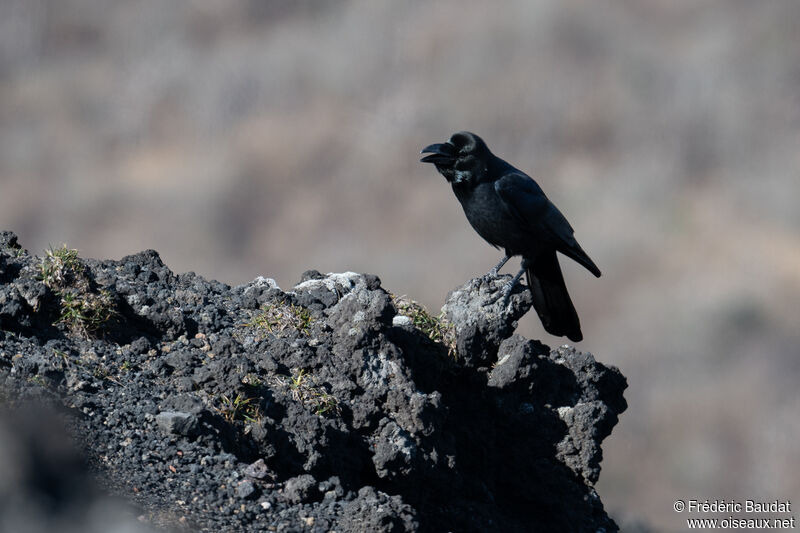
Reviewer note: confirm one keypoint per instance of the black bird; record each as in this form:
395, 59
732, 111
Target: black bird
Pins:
510, 211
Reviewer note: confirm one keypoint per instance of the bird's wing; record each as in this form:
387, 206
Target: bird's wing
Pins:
526, 202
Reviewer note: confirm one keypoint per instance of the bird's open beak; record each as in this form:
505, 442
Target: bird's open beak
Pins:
440, 153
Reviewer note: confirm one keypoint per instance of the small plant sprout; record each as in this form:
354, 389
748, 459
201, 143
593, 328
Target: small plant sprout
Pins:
315, 397
239, 408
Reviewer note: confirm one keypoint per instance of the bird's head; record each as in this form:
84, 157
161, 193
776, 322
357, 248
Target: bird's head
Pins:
462, 160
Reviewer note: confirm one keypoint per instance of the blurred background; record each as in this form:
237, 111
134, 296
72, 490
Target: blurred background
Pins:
258, 137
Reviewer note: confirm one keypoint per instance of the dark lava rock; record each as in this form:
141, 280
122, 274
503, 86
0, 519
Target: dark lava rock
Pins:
481, 320
250, 408
245, 489
301, 488
257, 470
177, 423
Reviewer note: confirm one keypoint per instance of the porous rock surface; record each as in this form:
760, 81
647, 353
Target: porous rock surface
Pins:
250, 408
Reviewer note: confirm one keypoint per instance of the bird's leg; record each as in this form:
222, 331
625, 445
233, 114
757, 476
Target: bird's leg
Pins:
493, 272
508, 287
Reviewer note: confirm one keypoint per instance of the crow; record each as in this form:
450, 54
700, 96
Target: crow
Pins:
509, 210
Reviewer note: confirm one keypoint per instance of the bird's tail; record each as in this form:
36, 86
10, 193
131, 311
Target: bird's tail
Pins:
551, 299
576, 253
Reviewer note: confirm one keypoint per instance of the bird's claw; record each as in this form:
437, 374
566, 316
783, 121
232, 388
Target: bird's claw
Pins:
489, 276
506, 292
504, 295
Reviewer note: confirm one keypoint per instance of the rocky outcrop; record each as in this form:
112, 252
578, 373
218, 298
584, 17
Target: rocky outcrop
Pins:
331, 406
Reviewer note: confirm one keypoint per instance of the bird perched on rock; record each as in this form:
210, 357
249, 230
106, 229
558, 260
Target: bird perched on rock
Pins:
509, 210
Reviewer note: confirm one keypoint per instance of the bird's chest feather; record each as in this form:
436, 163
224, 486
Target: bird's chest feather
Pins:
487, 214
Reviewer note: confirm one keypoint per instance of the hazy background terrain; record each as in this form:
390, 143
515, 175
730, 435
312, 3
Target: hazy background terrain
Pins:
266, 138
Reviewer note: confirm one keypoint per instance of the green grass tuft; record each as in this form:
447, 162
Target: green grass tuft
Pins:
86, 313
313, 396
60, 266
82, 309
276, 318
239, 407
436, 328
